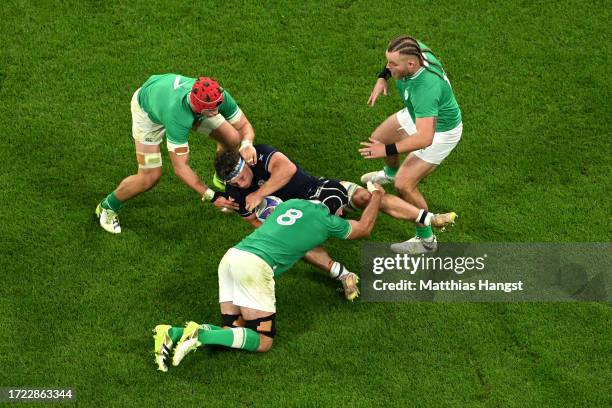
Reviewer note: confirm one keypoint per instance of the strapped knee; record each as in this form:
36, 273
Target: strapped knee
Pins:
265, 325
232, 320
149, 160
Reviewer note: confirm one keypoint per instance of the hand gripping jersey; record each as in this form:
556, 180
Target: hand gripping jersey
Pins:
302, 185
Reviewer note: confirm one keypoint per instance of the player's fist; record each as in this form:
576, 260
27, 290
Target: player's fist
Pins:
225, 204
253, 200
248, 152
375, 187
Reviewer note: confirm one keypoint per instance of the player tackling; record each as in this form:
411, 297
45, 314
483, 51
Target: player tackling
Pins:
248, 270
275, 174
172, 105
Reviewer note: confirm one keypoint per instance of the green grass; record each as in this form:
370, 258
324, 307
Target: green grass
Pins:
77, 304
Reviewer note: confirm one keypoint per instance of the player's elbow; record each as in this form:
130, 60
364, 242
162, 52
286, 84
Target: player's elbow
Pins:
427, 140
290, 170
367, 231
359, 231
180, 171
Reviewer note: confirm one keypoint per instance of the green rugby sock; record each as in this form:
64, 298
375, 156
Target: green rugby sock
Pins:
212, 327
111, 202
175, 334
424, 232
237, 337
390, 171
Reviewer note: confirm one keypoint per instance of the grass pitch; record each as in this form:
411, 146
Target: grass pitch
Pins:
78, 304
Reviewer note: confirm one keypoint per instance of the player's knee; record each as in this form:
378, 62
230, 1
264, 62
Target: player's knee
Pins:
361, 198
383, 135
377, 135
232, 320
178, 171
266, 328
405, 185
150, 178
265, 343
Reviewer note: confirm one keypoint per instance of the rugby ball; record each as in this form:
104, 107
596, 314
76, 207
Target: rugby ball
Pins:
265, 208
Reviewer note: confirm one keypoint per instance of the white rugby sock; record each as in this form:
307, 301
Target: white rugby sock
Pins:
424, 217
337, 270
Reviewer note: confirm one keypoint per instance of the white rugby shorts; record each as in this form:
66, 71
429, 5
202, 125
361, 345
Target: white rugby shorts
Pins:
246, 280
144, 130
443, 142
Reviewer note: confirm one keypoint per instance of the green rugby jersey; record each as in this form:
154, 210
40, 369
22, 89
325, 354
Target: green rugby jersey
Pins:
294, 228
425, 94
165, 98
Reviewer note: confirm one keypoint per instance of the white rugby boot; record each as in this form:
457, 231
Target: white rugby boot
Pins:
109, 220
377, 177
415, 246
189, 342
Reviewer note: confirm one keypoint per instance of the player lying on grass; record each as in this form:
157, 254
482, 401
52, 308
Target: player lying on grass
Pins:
248, 270
275, 174
172, 105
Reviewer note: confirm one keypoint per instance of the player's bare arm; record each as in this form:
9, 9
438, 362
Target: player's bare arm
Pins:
379, 88
252, 219
247, 136
226, 135
423, 137
281, 171
374, 149
363, 227
180, 163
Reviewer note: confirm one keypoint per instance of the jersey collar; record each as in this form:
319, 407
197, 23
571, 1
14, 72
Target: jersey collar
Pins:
416, 74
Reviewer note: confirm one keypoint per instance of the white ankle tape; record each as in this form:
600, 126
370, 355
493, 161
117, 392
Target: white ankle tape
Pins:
337, 270
424, 217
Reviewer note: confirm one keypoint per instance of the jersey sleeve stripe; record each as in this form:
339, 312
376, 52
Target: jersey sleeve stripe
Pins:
235, 117
350, 229
268, 160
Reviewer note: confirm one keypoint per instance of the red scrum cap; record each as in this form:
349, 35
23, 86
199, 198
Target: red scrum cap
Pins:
206, 94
